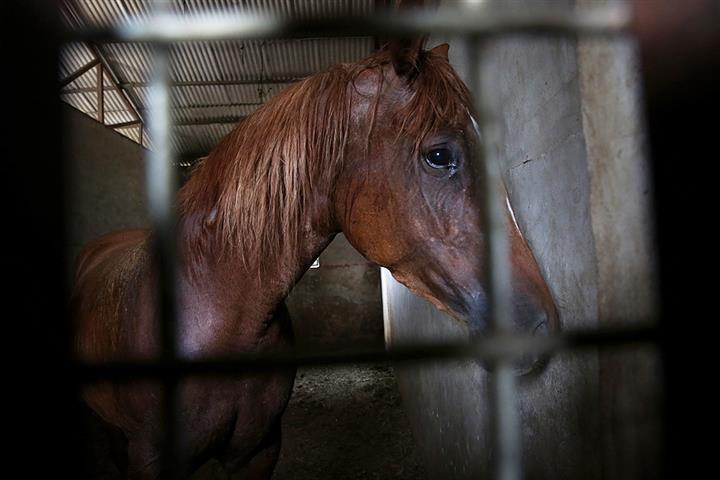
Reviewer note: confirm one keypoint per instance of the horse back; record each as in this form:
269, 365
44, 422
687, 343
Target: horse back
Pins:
110, 298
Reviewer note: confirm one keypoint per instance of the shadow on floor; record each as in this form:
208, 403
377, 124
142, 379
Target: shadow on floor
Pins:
343, 423
348, 423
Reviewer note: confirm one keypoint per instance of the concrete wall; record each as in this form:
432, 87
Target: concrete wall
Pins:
106, 179
333, 306
576, 177
339, 304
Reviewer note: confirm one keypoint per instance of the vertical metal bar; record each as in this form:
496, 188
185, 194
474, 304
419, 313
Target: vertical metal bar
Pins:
100, 94
504, 415
160, 191
160, 187
161, 184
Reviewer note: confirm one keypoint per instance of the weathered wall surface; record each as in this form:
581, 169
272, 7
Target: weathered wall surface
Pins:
571, 144
620, 205
106, 179
335, 305
338, 305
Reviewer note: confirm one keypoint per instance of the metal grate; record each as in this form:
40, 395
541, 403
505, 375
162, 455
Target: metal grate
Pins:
164, 28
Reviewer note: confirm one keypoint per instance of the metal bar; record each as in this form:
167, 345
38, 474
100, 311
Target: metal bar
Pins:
74, 8
78, 73
100, 95
131, 123
232, 119
490, 349
75, 91
161, 183
168, 27
219, 83
215, 105
504, 416
124, 94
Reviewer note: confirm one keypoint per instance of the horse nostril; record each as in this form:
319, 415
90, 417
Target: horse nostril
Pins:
533, 362
541, 328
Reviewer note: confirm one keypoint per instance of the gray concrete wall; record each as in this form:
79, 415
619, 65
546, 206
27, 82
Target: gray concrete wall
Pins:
576, 177
106, 180
338, 305
333, 306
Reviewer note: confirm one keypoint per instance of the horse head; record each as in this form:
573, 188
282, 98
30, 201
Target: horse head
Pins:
407, 197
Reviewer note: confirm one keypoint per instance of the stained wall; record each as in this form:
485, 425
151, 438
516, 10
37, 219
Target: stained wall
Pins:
574, 165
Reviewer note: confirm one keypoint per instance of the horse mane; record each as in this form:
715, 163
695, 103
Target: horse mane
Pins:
253, 190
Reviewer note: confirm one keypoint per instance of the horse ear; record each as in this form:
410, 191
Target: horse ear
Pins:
405, 53
441, 50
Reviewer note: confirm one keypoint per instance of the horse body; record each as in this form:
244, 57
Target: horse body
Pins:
379, 150
224, 309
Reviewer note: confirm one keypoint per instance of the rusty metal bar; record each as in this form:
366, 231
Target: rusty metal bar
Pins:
78, 73
100, 95
131, 123
231, 119
72, 5
226, 120
218, 83
116, 82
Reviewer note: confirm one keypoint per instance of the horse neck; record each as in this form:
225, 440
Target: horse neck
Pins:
243, 292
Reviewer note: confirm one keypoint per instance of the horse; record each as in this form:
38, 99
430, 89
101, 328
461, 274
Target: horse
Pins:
380, 150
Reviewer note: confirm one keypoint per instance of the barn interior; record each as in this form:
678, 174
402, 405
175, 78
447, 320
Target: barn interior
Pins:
575, 160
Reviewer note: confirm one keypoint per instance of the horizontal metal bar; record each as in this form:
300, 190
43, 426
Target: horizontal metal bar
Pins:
211, 105
608, 19
489, 349
131, 123
217, 83
227, 120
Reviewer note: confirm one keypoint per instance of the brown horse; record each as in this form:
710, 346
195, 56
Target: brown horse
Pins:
379, 150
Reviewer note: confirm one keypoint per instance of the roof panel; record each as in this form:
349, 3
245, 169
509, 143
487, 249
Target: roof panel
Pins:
218, 80
73, 56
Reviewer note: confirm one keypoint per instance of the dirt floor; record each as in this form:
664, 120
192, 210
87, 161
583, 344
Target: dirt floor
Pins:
347, 423
343, 423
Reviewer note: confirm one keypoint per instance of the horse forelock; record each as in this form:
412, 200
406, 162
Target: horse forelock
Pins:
440, 100
254, 189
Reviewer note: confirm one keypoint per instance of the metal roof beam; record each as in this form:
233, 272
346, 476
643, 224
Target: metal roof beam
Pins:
126, 96
218, 83
79, 73
226, 120
131, 123
232, 119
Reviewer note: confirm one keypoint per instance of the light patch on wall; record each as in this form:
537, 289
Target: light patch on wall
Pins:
474, 3
385, 278
316, 263
512, 214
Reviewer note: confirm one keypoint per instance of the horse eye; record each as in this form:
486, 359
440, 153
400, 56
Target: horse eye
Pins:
440, 158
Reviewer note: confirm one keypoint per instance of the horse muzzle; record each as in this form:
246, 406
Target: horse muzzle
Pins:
527, 320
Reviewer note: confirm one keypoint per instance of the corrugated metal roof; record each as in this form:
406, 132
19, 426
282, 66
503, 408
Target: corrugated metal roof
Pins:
213, 83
